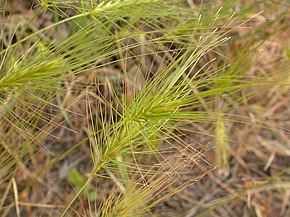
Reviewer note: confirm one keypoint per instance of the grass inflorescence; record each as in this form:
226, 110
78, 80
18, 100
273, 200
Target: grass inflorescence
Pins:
112, 108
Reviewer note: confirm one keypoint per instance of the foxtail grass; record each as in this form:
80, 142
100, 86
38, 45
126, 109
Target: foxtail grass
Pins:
148, 69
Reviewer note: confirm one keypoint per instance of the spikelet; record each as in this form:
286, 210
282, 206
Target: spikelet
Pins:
221, 147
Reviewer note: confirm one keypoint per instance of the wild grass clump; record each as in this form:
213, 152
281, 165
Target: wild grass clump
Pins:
127, 81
